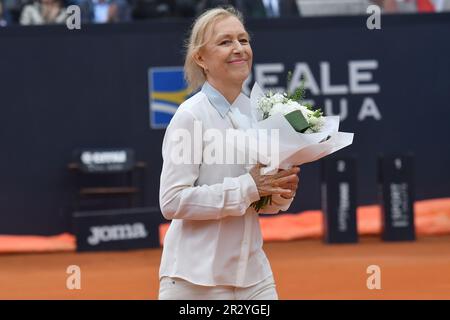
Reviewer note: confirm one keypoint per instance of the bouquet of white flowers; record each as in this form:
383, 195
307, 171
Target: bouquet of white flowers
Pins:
302, 117
305, 135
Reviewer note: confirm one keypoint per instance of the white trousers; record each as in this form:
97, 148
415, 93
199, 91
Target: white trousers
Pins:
180, 289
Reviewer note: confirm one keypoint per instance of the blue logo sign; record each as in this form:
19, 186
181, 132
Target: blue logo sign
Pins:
167, 89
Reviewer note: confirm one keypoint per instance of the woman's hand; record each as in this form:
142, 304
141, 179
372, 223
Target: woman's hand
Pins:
291, 184
284, 182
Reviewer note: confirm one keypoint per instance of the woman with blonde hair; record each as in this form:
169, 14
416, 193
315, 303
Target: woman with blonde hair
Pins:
213, 248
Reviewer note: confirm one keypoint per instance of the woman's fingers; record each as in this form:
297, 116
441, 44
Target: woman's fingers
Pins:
291, 179
289, 182
265, 191
284, 182
281, 191
290, 186
284, 173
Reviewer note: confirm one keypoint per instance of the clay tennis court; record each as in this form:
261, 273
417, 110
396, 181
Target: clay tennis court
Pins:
304, 269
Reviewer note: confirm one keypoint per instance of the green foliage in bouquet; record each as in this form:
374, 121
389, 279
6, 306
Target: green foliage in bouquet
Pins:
299, 93
261, 203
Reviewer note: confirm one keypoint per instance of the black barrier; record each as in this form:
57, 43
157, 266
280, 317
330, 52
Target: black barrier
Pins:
119, 229
65, 89
396, 188
339, 200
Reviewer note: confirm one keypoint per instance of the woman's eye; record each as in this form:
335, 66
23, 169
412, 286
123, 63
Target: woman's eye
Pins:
228, 42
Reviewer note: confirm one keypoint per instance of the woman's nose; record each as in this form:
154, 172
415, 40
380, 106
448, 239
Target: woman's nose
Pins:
237, 46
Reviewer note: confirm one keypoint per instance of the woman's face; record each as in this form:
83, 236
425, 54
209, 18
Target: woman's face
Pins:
227, 56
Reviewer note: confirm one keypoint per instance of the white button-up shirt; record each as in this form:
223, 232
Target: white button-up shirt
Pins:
214, 237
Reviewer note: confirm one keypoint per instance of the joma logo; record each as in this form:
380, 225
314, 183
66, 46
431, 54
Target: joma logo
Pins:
116, 232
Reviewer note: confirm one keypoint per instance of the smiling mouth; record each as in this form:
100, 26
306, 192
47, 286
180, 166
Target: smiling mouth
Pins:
237, 61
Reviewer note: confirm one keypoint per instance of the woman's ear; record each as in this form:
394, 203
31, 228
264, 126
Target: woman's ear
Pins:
198, 58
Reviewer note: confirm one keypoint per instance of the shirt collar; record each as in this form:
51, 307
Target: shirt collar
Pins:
217, 100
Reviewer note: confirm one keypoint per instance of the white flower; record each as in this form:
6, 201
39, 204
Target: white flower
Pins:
287, 107
306, 112
313, 121
265, 104
293, 105
277, 108
277, 98
316, 123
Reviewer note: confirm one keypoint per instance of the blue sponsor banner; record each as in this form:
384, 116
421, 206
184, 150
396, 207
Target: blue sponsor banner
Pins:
167, 90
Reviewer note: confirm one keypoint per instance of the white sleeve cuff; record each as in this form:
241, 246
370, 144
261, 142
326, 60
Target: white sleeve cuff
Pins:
249, 189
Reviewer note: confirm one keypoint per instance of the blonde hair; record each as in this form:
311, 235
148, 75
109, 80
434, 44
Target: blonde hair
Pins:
193, 73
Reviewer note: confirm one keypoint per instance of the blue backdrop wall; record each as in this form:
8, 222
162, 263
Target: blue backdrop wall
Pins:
64, 89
